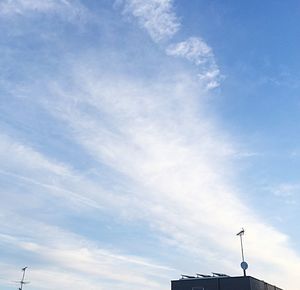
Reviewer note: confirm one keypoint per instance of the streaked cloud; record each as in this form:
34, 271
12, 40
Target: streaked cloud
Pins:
170, 167
185, 185
157, 17
69, 9
287, 192
196, 50
63, 255
286, 189
193, 49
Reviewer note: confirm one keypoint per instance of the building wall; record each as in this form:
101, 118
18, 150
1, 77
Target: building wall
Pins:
230, 283
261, 285
222, 283
235, 283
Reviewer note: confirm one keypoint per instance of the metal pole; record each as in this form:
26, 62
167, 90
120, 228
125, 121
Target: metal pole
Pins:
241, 233
242, 250
23, 277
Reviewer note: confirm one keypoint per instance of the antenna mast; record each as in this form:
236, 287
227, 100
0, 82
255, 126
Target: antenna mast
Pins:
22, 282
244, 264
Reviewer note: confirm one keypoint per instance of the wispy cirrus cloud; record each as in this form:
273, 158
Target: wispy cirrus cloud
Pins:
287, 192
196, 50
53, 248
179, 162
172, 163
157, 17
65, 255
69, 9
32, 170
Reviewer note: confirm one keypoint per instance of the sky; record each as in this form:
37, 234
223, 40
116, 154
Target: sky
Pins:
138, 137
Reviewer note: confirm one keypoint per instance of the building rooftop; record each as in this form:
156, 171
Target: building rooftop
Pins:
220, 282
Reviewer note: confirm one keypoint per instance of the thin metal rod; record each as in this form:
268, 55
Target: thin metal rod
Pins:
241, 233
242, 249
243, 257
23, 277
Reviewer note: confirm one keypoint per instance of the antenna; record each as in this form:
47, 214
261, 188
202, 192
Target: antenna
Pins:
22, 282
244, 264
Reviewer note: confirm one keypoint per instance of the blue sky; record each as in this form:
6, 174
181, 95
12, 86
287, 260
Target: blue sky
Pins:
137, 137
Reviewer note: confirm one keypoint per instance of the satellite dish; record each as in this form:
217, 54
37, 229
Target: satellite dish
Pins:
244, 265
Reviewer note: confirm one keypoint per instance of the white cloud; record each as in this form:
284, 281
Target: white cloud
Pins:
193, 49
287, 192
198, 52
69, 9
63, 259
14, 155
176, 160
286, 189
157, 17
165, 144
25, 165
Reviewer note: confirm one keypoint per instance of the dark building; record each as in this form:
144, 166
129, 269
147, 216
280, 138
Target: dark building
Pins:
221, 282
